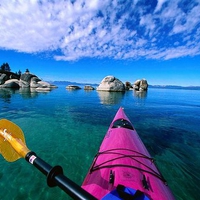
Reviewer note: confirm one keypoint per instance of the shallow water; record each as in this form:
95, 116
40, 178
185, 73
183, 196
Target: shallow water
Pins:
66, 128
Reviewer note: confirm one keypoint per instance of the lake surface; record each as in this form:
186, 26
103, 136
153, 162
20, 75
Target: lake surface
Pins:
67, 127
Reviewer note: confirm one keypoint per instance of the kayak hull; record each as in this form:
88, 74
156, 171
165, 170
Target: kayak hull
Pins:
124, 160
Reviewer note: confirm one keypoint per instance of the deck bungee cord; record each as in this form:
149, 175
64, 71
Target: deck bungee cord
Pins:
123, 155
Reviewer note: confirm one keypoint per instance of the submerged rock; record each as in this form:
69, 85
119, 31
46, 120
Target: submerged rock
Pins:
111, 84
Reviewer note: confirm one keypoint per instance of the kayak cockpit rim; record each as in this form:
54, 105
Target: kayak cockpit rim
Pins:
122, 123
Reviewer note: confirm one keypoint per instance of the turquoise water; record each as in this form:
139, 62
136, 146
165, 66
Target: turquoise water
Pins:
66, 128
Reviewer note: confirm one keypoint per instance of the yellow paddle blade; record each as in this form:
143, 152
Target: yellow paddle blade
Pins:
6, 145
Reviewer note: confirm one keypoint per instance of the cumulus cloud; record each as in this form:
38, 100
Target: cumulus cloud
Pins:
101, 29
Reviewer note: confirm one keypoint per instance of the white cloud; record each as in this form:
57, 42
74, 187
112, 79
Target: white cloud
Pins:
85, 28
159, 5
187, 21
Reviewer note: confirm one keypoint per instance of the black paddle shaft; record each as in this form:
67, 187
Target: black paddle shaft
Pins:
55, 177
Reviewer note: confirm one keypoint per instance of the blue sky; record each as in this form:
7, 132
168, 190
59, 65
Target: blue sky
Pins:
86, 40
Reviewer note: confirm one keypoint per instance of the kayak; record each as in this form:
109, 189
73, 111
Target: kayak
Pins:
123, 168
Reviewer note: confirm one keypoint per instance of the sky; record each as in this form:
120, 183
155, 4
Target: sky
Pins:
85, 40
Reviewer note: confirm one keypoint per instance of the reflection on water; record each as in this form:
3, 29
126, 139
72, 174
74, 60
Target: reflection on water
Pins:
6, 93
140, 94
110, 97
28, 92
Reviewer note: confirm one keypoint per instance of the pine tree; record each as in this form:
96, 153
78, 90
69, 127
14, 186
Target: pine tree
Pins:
19, 73
5, 67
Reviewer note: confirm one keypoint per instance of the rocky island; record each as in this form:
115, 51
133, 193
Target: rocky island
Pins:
111, 84
25, 80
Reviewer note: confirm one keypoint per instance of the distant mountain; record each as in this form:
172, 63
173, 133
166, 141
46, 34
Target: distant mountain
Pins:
71, 83
175, 87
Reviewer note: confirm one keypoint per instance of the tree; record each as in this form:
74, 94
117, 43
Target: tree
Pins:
5, 67
19, 73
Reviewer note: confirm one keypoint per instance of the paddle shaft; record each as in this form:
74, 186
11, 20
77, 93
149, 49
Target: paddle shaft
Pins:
55, 177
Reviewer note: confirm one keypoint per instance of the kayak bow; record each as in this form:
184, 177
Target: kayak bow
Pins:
123, 168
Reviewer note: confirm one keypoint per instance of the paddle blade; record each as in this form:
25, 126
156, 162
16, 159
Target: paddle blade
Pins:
6, 149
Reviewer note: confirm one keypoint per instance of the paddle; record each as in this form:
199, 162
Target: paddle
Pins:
13, 147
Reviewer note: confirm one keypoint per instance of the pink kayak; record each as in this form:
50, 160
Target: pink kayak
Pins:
123, 168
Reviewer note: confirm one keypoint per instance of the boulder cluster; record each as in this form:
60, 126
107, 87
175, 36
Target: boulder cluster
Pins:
26, 80
140, 85
112, 84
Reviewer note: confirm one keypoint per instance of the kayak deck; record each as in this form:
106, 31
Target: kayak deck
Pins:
120, 154
124, 160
